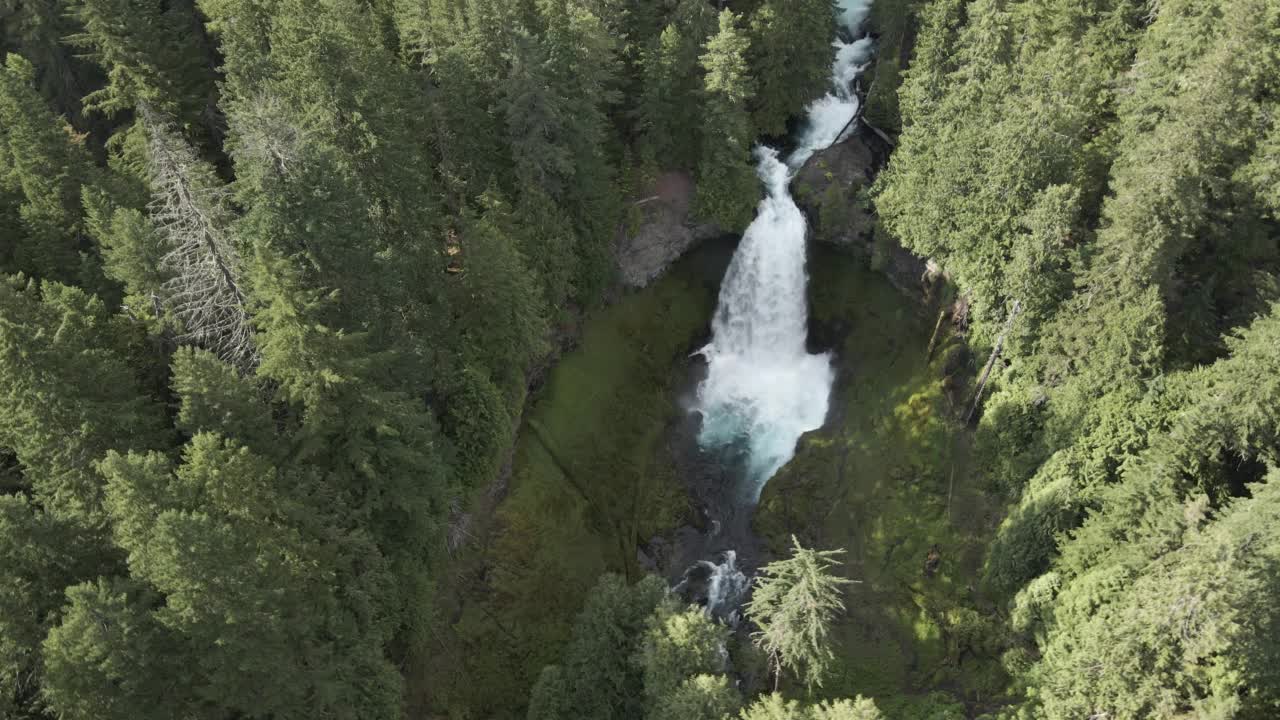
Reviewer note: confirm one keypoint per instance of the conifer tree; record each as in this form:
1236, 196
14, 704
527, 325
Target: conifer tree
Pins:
794, 603
583, 66
727, 185
154, 53
110, 657
678, 644
775, 707
791, 57
69, 393
670, 123
538, 122
40, 557
44, 162
701, 697
38, 32
599, 678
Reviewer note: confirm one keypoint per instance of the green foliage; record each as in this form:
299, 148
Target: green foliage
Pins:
154, 53
727, 185
793, 67
40, 556
678, 647
69, 392
670, 120
1137, 239
701, 697
598, 678
43, 165
256, 579
794, 604
774, 707
111, 658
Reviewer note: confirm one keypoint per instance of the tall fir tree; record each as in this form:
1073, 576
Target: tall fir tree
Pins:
727, 184
153, 52
670, 121
45, 164
791, 59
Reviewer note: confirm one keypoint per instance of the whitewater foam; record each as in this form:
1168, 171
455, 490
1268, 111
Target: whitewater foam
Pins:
763, 388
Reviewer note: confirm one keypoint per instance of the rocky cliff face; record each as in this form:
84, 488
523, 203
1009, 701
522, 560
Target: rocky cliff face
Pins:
659, 231
833, 189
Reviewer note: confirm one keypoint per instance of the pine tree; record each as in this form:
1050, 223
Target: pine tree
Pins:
38, 31
69, 392
40, 557
679, 645
599, 678
45, 163
671, 96
111, 658
791, 58
584, 65
775, 707
153, 52
549, 243
215, 398
727, 185
794, 603
538, 122
258, 580
701, 697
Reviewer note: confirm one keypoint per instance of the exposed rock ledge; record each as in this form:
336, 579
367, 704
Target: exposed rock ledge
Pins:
660, 230
832, 188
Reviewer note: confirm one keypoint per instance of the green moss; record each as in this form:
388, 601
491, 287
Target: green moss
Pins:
889, 479
587, 480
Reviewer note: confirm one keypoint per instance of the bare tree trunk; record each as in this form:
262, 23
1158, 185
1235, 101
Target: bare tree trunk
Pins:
933, 339
991, 361
879, 133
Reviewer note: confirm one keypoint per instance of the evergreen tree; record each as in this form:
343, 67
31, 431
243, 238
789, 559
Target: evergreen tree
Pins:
549, 244
584, 65
727, 185
153, 52
599, 677
774, 707
110, 657
794, 603
701, 697
256, 580
44, 162
679, 646
670, 120
38, 31
69, 393
538, 122
791, 56
40, 556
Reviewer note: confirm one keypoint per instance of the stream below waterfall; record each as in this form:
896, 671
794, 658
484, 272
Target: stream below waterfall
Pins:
759, 388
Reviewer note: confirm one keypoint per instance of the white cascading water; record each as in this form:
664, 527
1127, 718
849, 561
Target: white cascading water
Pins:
763, 389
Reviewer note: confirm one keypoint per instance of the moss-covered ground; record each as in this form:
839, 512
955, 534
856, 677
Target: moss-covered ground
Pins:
889, 480
589, 476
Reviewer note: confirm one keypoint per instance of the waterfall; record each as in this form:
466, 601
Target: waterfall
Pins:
763, 389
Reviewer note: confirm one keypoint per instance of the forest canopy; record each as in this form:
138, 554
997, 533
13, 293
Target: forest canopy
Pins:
277, 276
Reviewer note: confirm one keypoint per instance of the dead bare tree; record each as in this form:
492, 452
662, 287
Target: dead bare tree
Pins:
991, 361
189, 208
